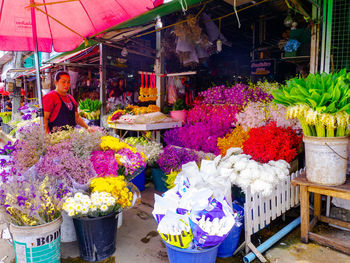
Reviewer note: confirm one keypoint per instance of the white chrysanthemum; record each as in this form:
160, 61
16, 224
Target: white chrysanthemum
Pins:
78, 207
104, 208
84, 210
78, 196
71, 213
93, 208
86, 202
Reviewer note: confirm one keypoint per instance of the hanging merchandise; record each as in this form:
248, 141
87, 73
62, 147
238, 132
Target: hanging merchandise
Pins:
148, 93
172, 91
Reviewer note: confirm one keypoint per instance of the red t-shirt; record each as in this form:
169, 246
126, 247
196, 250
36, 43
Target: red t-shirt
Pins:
52, 104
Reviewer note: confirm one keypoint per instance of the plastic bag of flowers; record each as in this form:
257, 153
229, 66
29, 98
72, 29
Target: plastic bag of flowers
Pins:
196, 207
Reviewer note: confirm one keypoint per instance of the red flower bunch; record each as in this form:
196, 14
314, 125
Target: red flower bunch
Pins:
271, 142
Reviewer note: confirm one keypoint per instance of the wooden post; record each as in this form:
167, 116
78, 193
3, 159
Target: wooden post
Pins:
102, 80
304, 213
317, 205
315, 40
159, 66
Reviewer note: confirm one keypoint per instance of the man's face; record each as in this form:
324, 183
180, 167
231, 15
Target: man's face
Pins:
63, 84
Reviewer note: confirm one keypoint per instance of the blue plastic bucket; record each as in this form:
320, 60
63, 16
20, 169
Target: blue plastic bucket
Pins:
230, 244
159, 178
179, 255
139, 181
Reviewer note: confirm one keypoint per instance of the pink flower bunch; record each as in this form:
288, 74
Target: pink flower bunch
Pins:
131, 161
237, 95
253, 116
60, 162
200, 136
210, 113
104, 163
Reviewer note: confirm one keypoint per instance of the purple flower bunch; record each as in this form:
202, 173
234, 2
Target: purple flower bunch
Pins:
131, 161
209, 113
172, 158
104, 163
8, 148
30, 201
200, 136
61, 162
237, 95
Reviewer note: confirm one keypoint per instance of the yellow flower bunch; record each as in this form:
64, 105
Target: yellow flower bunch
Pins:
136, 110
170, 181
234, 139
116, 186
112, 143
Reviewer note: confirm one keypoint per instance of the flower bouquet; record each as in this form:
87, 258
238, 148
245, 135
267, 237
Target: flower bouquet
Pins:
90, 109
321, 102
28, 201
274, 143
95, 216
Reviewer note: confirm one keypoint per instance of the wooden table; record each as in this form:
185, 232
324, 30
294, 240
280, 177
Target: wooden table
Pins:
306, 187
146, 127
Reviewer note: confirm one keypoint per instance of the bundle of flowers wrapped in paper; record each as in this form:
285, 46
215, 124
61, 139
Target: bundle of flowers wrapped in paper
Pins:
195, 213
234, 139
272, 143
30, 201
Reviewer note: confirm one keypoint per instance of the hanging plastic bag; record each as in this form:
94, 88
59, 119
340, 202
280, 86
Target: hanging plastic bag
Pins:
180, 87
172, 91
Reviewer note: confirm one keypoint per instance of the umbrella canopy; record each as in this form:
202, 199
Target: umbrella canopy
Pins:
62, 24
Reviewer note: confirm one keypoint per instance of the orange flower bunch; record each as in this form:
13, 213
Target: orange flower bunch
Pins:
233, 139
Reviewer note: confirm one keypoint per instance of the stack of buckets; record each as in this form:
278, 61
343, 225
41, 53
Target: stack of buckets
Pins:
223, 250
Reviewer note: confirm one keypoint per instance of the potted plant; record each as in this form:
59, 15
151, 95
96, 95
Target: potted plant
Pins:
95, 216
321, 102
33, 206
179, 111
90, 109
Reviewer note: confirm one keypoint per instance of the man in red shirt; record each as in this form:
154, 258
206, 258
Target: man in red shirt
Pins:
60, 108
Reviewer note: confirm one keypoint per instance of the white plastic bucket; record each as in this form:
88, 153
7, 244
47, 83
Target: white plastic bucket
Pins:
67, 229
34, 244
326, 159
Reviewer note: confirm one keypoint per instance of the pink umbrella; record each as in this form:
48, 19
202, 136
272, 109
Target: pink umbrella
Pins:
28, 25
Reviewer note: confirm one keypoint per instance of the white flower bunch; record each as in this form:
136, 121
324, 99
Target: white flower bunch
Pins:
244, 172
98, 204
152, 151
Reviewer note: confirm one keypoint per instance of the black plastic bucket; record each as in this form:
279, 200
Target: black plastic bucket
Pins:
96, 236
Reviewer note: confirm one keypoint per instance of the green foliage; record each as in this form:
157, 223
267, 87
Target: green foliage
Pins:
324, 93
89, 105
180, 104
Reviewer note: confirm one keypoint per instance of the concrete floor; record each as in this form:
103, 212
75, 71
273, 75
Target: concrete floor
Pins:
138, 242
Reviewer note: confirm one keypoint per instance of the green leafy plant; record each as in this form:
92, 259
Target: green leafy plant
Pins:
180, 104
321, 102
90, 109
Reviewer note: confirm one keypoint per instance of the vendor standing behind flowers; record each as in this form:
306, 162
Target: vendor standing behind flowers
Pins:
60, 108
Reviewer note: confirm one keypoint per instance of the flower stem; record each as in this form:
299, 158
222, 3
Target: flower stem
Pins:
330, 132
340, 131
306, 128
320, 129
